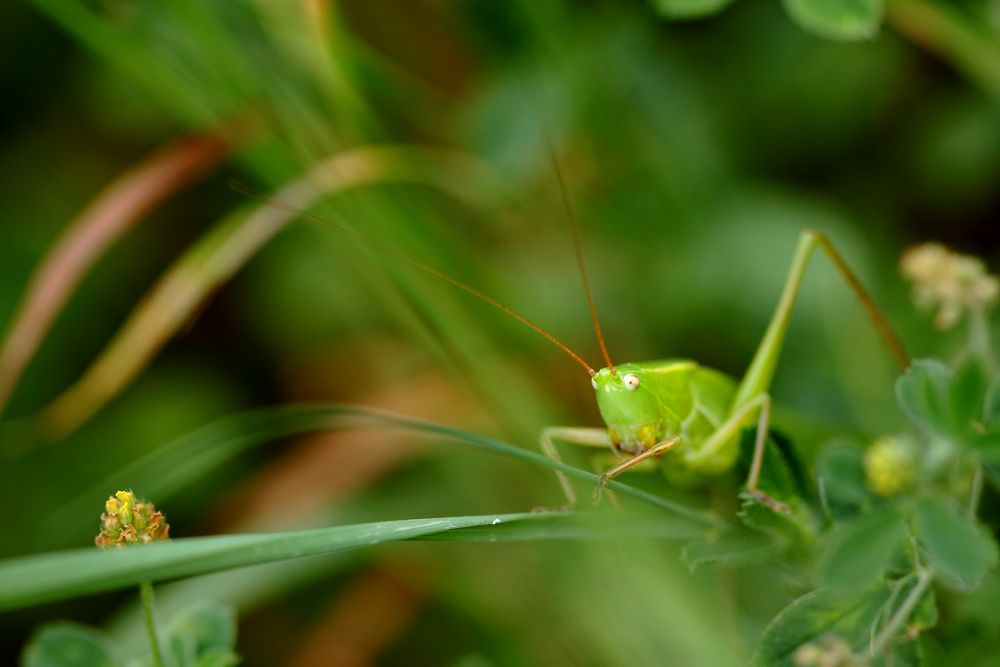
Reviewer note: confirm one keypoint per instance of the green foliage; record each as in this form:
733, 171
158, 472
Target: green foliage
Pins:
200, 636
694, 152
858, 553
732, 549
792, 528
945, 402
847, 20
824, 619
954, 544
838, 19
67, 645
968, 393
689, 9
840, 475
924, 393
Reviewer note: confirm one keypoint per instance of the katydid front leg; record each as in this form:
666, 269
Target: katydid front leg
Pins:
656, 450
583, 437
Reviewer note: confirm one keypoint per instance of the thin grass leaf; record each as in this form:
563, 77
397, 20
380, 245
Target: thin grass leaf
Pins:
178, 464
112, 213
58, 576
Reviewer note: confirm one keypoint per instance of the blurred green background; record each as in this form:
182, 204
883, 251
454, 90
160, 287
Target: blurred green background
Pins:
694, 153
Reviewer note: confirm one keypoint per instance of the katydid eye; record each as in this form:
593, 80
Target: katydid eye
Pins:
593, 382
631, 382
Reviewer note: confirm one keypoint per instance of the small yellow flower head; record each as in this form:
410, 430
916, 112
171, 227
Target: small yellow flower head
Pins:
128, 520
890, 465
948, 281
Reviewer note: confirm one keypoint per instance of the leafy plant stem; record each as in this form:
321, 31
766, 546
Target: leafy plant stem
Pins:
892, 628
944, 30
146, 592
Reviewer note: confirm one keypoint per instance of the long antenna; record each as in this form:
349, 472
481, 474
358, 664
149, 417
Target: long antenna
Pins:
578, 245
343, 231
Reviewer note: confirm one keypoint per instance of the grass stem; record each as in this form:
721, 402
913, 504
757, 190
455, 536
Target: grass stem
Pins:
146, 592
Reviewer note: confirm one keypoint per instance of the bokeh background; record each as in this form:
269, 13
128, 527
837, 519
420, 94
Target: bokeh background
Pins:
694, 153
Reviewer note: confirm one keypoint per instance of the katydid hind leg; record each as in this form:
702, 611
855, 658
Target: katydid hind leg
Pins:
757, 379
759, 448
759, 406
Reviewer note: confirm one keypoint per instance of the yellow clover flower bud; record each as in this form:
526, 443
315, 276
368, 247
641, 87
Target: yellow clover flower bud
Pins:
129, 520
890, 465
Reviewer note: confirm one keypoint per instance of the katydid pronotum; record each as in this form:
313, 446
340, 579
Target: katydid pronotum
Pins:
651, 408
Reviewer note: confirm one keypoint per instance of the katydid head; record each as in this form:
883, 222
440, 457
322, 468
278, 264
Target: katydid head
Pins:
632, 408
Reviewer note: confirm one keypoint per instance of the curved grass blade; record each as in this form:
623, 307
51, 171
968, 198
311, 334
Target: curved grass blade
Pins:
112, 213
379, 417
187, 285
179, 463
944, 30
56, 576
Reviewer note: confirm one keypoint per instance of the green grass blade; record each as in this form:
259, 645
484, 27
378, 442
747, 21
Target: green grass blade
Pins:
528, 456
56, 576
179, 463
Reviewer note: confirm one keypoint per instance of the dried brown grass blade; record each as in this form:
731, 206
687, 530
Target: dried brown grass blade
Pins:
186, 286
113, 212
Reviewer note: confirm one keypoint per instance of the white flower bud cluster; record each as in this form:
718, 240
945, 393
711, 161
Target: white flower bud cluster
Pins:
829, 651
951, 282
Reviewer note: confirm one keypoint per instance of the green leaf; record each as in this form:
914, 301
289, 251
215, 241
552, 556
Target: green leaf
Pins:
960, 550
67, 645
987, 446
61, 575
941, 401
203, 634
838, 19
992, 408
731, 550
818, 617
923, 392
781, 474
904, 654
792, 528
858, 553
218, 658
840, 473
688, 9
968, 391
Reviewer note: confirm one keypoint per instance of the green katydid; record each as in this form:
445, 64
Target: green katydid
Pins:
650, 408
